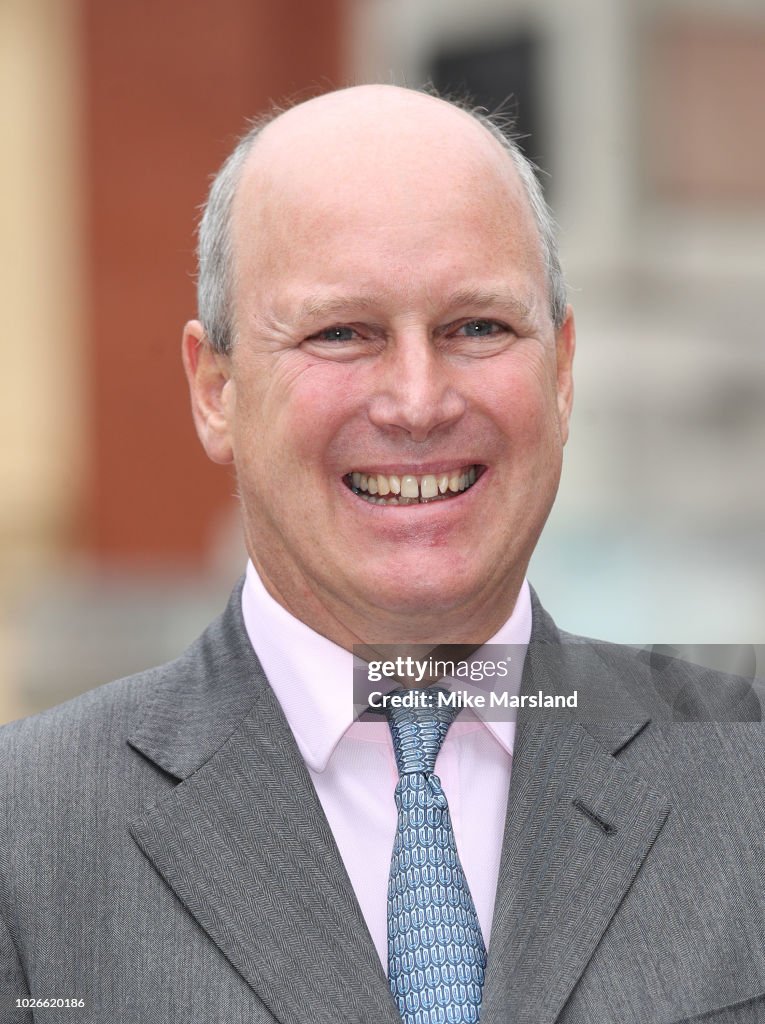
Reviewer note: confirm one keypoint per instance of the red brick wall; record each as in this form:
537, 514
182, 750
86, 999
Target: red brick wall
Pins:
168, 85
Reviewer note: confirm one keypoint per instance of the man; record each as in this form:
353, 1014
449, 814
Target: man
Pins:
385, 355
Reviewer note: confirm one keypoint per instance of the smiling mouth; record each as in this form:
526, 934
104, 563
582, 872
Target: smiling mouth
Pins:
410, 489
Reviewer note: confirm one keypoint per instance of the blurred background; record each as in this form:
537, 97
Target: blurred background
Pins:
118, 541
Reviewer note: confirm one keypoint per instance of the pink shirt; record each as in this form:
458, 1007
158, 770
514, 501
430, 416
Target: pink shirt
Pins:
352, 764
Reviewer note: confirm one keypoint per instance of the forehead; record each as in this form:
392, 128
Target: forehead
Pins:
387, 174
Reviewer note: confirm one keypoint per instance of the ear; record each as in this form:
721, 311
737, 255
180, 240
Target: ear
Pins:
212, 392
565, 345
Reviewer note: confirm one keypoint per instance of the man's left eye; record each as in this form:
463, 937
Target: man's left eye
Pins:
480, 328
341, 333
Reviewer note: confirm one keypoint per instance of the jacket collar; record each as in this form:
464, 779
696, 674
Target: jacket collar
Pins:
200, 699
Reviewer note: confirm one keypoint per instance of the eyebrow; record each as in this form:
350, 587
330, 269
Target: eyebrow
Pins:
318, 307
480, 298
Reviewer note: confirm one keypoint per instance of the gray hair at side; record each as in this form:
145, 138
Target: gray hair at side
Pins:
215, 278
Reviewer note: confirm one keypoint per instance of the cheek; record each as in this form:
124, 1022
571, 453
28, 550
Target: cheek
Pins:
289, 429
523, 404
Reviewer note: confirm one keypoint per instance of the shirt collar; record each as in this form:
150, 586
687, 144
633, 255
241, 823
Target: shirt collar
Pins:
312, 677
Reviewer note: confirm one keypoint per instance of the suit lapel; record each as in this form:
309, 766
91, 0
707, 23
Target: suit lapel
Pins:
244, 843
578, 827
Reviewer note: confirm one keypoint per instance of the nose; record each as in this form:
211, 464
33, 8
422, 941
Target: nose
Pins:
417, 392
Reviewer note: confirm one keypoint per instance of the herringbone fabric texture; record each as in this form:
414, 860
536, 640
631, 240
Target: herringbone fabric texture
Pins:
436, 953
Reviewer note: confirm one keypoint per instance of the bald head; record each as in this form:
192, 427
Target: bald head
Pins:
372, 152
378, 122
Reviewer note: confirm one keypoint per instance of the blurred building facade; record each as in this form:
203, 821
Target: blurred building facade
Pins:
118, 541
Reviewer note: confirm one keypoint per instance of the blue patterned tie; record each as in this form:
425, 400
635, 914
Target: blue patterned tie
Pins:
436, 954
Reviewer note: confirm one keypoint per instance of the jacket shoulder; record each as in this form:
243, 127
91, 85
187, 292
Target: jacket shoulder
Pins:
699, 683
84, 723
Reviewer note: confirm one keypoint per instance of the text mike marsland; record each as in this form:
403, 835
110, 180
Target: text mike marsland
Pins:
461, 698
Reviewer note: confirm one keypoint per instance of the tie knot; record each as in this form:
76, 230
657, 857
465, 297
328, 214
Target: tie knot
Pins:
419, 731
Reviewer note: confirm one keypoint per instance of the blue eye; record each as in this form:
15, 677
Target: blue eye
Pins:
480, 328
336, 334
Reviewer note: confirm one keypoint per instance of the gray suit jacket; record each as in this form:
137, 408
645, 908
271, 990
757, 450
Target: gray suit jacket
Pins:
164, 857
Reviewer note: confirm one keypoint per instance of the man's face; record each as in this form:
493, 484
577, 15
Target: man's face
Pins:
394, 336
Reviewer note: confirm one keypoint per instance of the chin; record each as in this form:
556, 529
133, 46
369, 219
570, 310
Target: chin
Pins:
423, 598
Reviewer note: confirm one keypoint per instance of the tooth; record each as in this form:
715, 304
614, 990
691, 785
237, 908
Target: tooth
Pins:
363, 481
463, 481
372, 484
355, 479
395, 484
409, 488
443, 483
428, 487
471, 475
383, 487
454, 482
